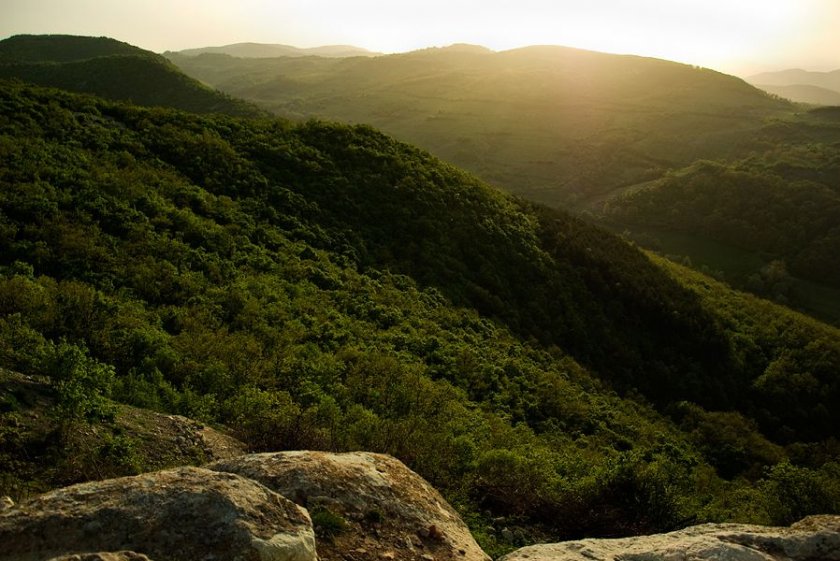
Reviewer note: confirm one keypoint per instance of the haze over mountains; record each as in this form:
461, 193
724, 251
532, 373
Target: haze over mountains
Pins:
263, 50
819, 88
554, 124
578, 129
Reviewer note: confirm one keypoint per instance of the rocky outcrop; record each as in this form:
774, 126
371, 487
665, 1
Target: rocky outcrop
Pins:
172, 515
364, 507
148, 441
103, 556
815, 538
373, 506
177, 437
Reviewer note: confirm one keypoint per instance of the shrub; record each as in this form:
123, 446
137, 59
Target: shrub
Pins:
82, 384
327, 523
795, 492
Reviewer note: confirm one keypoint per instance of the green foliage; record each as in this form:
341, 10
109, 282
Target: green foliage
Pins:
786, 357
317, 286
120, 451
267, 420
553, 124
82, 384
583, 130
783, 203
61, 48
729, 441
327, 524
90, 65
795, 492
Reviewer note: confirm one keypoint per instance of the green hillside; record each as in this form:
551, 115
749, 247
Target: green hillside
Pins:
111, 69
318, 286
783, 204
557, 125
61, 48
597, 134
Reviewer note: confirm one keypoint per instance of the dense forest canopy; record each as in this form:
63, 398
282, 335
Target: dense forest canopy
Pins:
322, 286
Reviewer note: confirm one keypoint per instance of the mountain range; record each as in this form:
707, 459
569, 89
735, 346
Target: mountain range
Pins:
558, 125
818, 88
314, 285
264, 50
598, 134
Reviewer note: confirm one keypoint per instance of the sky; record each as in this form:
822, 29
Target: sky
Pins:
736, 36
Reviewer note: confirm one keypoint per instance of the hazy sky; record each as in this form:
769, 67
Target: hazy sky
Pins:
738, 36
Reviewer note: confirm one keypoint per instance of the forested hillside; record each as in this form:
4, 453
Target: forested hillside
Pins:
580, 130
111, 69
782, 203
326, 287
557, 125
62, 48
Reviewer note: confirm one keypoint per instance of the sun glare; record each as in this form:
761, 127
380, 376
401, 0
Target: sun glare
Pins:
714, 33
703, 32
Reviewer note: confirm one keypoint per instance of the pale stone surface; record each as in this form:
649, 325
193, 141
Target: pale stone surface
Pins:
815, 538
172, 515
391, 512
103, 556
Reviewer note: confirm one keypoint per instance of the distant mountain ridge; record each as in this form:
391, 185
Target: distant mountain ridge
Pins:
555, 124
803, 86
804, 93
582, 129
796, 76
111, 69
268, 50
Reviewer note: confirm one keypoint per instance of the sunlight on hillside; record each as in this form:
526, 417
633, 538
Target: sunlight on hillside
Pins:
418, 280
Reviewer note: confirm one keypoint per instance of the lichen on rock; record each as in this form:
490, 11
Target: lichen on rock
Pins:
389, 512
812, 539
172, 515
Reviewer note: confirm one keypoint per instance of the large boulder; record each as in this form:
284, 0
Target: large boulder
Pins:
173, 515
814, 538
364, 506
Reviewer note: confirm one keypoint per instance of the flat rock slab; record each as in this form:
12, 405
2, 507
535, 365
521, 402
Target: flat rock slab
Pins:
391, 513
172, 515
812, 539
